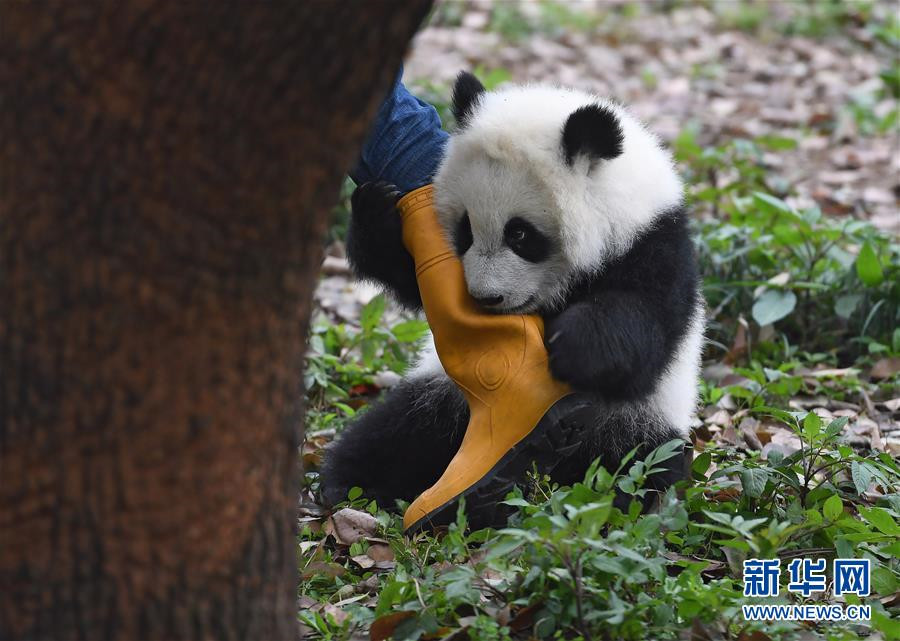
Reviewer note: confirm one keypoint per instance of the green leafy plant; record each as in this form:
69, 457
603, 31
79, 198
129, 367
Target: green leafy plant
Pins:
827, 283
515, 21
801, 306
572, 564
342, 357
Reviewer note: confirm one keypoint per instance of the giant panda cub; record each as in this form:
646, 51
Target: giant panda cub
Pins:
558, 203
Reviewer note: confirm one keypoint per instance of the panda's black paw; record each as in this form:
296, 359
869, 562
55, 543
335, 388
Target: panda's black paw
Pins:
567, 358
598, 366
373, 201
375, 242
375, 234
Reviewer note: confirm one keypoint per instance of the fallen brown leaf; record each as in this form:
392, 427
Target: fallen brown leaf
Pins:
501, 615
865, 433
380, 552
885, 368
721, 418
306, 546
363, 561
348, 526
321, 568
892, 445
738, 347
728, 435
749, 428
314, 524
336, 613
702, 632
523, 619
367, 586
312, 451
725, 494
305, 602
785, 440
308, 508
383, 627
450, 634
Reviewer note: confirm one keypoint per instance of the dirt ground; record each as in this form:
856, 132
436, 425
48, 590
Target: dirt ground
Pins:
712, 69
694, 67
691, 67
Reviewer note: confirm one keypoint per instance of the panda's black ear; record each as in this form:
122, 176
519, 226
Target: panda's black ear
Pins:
466, 92
593, 130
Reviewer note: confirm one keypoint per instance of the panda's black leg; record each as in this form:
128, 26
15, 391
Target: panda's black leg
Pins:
615, 432
375, 243
400, 446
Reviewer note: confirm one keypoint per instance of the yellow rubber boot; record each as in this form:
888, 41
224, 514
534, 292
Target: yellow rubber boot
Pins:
499, 362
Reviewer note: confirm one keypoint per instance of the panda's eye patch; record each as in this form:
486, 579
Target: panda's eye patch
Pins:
517, 235
525, 240
463, 237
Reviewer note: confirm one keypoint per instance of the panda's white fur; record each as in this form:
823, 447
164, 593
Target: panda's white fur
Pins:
598, 209
509, 159
615, 281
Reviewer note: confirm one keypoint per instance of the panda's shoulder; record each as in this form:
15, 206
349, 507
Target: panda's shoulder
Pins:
660, 253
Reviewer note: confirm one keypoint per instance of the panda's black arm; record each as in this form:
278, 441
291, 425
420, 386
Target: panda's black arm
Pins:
375, 243
612, 345
622, 326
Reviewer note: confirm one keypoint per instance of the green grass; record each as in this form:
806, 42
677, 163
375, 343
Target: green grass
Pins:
828, 285
802, 305
550, 18
343, 359
805, 292
571, 565
810, 18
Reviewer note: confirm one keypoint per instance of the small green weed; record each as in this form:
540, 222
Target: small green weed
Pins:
515, 21
572, 565
830, 284
343, 357
801, 305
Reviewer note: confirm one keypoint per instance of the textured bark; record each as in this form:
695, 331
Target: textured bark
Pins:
167, 172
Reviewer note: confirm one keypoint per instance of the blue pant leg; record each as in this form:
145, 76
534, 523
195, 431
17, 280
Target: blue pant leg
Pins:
406, 142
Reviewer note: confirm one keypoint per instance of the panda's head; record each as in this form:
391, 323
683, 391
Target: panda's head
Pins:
540, 185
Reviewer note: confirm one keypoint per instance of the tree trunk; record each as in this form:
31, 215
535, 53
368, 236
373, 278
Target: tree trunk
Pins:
167, 174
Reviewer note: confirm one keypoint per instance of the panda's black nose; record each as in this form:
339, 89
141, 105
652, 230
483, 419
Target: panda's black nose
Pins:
488, 301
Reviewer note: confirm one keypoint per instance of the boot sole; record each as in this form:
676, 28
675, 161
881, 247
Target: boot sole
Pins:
556, 435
